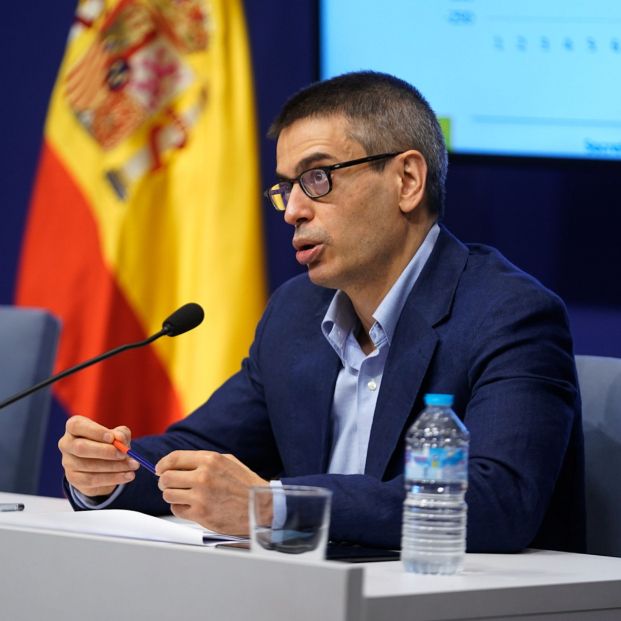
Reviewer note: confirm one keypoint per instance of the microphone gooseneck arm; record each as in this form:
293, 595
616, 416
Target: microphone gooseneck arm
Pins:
185, 318
79, 367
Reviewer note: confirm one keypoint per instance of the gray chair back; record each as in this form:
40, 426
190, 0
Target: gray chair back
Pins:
28, 340
600, 387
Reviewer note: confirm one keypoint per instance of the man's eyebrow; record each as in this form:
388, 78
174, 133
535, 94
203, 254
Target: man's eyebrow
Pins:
308, 162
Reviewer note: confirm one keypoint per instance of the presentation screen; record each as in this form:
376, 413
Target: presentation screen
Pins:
517, 77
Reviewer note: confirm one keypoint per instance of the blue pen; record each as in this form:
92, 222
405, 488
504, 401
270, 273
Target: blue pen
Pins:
141, 460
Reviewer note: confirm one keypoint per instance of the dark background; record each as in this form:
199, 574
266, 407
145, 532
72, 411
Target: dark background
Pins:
557, 219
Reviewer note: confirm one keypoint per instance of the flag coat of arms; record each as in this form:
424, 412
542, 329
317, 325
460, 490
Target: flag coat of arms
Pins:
147, 197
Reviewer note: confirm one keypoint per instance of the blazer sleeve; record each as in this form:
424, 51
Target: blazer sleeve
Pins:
524, 420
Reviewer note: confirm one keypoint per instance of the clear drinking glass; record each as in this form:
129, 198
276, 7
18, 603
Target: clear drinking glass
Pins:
290, 519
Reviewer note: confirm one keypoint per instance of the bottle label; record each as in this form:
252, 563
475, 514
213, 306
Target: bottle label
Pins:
437, 464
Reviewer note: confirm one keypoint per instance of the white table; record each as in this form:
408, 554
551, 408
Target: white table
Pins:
60, 576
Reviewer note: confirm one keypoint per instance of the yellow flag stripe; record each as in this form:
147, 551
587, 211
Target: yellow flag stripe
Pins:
189, 225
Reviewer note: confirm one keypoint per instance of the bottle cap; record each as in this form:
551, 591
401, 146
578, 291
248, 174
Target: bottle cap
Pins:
440, 399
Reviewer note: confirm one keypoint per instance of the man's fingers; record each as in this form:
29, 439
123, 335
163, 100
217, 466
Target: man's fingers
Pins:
86, 480
92, 464
181, 511
123, 434
90, 440
179, 479
183, 460
91, 449
82, 427
178, 497
78, 464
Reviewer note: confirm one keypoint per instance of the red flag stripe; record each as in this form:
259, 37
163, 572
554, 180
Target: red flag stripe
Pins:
132, 389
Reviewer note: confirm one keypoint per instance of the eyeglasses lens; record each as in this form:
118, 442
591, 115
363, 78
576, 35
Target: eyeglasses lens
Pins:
279, 195
315, 182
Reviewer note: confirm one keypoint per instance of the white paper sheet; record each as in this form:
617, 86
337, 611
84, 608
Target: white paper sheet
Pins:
118, 523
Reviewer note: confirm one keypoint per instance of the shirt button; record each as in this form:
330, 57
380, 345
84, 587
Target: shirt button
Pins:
372, 385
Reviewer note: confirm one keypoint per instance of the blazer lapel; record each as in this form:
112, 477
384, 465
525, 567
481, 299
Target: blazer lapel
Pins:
311, 378
412, 348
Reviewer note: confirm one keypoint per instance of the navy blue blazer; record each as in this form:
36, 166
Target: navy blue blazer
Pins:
474, 326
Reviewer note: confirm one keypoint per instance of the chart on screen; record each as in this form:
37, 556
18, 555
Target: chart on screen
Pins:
518, 77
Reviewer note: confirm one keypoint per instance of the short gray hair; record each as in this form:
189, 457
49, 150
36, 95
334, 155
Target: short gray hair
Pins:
386, 114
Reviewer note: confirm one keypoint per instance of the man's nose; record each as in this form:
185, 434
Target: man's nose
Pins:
299, 207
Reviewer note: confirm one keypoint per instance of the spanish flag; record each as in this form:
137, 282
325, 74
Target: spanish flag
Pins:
147, 197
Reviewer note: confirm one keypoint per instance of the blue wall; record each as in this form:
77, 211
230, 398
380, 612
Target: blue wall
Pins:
558, 220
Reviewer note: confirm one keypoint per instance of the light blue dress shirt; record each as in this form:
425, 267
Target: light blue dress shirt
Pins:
359, 380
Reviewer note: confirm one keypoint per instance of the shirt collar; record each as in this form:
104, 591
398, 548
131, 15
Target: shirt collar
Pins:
340, 317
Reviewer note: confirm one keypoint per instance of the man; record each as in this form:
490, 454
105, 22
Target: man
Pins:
392, 307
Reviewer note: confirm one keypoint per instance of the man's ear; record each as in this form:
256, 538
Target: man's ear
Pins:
413, 180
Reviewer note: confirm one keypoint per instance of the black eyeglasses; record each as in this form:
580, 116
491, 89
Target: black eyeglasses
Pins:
315, 182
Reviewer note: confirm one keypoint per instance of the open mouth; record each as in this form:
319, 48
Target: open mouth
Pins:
308, 253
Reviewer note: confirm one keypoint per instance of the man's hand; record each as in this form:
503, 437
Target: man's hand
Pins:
208, 488
92, 464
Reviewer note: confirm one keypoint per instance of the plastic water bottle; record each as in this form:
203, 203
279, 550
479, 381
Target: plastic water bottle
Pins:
436, 478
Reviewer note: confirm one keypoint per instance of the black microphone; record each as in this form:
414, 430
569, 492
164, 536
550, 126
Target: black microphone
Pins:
185, 318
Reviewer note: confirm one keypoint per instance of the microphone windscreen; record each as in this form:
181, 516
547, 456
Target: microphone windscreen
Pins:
183, 319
